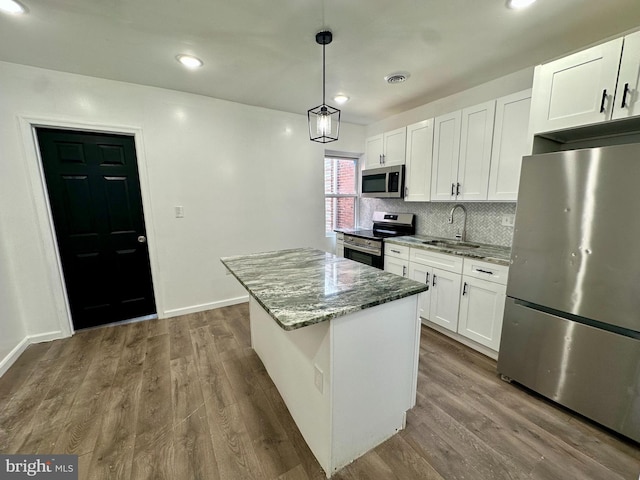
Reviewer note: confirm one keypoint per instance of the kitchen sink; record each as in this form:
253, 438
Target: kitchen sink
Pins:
450, 244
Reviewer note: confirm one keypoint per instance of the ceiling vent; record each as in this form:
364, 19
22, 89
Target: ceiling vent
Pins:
397, 77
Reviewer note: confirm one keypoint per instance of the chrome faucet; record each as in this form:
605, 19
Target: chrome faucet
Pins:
463, 236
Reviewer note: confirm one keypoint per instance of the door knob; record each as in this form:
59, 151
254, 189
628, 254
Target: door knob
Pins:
142, 239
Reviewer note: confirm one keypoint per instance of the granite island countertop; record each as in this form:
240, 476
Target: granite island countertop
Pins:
488, 253
304, 286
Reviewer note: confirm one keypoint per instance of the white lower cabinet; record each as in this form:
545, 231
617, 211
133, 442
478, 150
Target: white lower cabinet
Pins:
481, 310
396, 259
465, 296
396, 265
422, 274
440, 303
445, 299
339, 244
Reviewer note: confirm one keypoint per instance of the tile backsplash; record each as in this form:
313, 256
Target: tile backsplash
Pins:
484, 219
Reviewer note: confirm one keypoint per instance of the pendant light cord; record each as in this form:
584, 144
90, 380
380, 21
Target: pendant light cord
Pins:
323, 74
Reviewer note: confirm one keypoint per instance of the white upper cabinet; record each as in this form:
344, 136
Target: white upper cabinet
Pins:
373, 151
446, 152
475, 151
394, 147
576, 90
386, 150
462, 153
627, 101
419, 155
510, 144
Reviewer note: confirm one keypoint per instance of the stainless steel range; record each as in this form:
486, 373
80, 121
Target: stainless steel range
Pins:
366, 246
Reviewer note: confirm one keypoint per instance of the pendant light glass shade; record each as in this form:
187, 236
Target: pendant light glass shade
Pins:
324, 123
324, 120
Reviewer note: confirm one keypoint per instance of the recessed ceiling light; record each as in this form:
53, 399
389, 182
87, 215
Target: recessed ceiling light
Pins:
340, 99
12, 6
516, 4
397, 77
189, 61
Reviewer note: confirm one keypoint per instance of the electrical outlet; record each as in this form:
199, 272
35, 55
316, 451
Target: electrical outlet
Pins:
179, 212
508, 220
318, 378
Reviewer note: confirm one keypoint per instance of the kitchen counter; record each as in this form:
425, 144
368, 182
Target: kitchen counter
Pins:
347, 382
488, 253
303, 286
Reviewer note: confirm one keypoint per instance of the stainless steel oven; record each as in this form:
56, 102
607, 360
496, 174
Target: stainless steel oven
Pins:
366, 246
364, 251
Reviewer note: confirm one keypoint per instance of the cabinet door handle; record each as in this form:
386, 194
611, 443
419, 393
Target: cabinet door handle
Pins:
380, 159
457, 189
484, 271
406, 191
464, 289
604, 98
427, 281
433, 281
624, 95
453, 189
404, 270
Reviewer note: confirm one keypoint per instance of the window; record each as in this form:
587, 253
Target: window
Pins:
340, 192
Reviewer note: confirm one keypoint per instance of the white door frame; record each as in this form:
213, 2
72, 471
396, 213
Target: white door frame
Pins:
42, 206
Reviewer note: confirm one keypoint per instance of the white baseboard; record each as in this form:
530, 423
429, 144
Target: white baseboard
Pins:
10, 359
205, 306
45, 337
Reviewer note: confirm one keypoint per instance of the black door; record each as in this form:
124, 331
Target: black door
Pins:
94, 192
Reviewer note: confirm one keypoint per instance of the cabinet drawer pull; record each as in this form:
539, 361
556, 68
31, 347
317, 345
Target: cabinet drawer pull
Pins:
433, 281
464, 289
604, 98
624, 95
484, 271
395, 251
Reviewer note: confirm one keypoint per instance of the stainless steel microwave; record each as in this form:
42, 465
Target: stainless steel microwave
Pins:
386, 182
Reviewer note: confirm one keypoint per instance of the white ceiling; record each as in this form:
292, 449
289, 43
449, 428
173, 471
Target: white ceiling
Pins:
263, 52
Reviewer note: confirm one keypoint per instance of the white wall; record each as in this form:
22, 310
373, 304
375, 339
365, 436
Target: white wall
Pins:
248, 178
12, 332
515, 82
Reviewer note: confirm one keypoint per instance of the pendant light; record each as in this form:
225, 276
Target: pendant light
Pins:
324, 120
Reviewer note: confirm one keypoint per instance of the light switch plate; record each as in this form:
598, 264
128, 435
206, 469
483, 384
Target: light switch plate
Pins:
508, 220
179, 212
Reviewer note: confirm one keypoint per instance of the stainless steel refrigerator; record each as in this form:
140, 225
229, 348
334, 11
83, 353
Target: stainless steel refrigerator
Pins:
571, 326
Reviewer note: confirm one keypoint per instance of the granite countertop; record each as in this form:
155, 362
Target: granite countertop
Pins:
488, 253
304, 286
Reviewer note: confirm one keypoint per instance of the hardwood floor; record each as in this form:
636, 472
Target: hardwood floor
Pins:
187, 398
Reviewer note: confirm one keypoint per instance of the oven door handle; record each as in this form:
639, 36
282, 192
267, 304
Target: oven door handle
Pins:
358, 248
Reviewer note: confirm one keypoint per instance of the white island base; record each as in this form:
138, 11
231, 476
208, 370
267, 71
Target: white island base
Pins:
348, 381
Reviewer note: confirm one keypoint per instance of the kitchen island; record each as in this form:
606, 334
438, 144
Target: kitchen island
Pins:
340, 341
